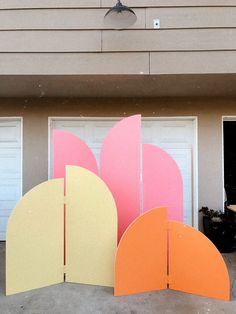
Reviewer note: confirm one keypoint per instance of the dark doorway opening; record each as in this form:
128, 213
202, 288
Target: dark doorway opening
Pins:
229, 128
229, 222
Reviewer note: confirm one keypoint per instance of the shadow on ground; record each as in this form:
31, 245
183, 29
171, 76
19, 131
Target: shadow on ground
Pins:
69, 298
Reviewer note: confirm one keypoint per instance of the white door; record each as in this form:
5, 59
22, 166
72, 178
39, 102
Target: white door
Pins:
176, 136
10, 169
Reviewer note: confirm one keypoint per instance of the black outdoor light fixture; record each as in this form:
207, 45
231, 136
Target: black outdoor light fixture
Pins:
120, 16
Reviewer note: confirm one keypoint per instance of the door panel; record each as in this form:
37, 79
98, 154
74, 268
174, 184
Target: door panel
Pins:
10, 169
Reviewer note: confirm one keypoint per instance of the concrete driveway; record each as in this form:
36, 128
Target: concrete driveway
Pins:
84, 299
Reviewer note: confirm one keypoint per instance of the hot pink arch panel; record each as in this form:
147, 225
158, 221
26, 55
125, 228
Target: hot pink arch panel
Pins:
68, 149
120, 168
162, 182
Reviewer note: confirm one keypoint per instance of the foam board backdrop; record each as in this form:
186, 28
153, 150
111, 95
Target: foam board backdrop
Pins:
34, 239
69, 149
91, 229
120, 168
141, 259
151, 243
162, 182
195, 264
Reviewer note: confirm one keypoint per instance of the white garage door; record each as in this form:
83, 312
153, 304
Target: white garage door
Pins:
173, 135
10, 169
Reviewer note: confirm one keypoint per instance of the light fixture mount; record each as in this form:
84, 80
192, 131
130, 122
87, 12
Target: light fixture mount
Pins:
120, 16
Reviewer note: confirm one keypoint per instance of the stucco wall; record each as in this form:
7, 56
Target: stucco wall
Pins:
35, 113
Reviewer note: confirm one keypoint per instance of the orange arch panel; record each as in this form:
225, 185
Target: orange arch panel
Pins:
141, 260
195, 264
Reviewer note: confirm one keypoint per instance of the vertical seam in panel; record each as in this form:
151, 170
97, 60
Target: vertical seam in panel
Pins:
50, 133
21, 119
141, 173
168, 254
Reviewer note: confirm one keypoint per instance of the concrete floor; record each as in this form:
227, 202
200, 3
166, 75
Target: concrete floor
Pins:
83, 299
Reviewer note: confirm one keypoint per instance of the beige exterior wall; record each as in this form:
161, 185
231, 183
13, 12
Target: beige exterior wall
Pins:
196, 36
36, 4
35, 113
51, 42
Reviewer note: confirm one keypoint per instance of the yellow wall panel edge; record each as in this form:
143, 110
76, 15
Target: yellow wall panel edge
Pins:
34, 239
91, 229
38, 4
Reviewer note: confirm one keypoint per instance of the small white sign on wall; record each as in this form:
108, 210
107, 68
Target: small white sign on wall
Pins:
156, 23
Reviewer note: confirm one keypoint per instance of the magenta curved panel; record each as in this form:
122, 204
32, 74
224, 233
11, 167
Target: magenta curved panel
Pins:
68, 149
120, 168
162, 182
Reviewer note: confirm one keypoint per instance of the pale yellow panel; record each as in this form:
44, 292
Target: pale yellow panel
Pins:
34, 4
195, 17
169, 40
73, 64
18, 4
171, 3
34, 240
186, 62
91, 229
59, 19
50, 41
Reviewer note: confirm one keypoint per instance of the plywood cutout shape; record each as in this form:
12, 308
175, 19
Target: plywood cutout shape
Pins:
162, 182
196, 266
141, 260
120, 168
91, 224
34, 239
69, 149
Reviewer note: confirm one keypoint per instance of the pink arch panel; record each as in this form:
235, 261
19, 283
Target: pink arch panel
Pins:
68, 149
120, 168
162, 182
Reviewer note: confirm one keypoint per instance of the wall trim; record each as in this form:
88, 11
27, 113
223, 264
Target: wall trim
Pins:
19, 118
223, 119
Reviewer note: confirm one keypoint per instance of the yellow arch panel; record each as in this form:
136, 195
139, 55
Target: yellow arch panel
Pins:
91, 229
34, 239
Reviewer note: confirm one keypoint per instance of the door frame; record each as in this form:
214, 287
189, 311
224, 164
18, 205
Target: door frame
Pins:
194, 119
223, 119
18, 118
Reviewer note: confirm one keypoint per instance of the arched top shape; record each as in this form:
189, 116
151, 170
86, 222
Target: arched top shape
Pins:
195, 264
162, 182
120, 168
34, 239
68, 149
91, 224
141, 259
